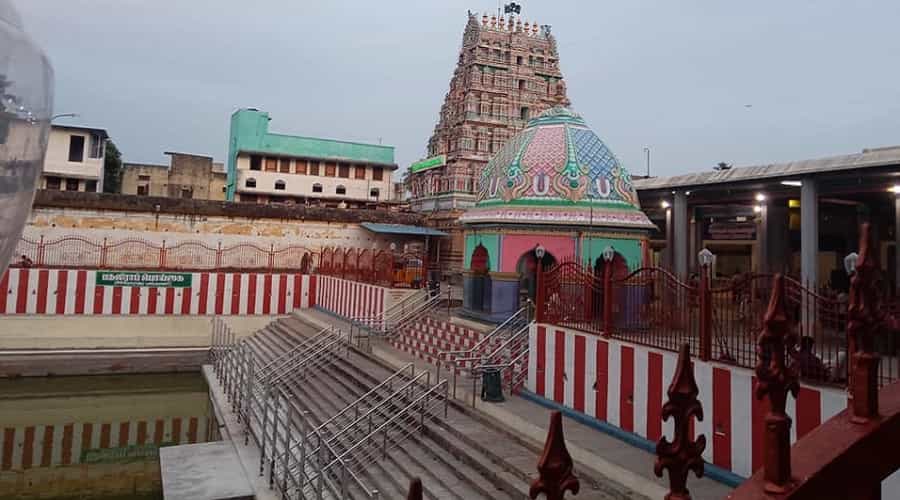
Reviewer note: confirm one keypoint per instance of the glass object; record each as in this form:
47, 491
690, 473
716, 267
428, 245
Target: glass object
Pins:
26, 102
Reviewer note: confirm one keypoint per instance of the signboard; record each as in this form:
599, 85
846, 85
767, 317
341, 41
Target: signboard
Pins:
143, 279
122, 454
429, 163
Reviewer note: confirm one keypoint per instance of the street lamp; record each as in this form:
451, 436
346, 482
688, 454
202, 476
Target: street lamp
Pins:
850, 262
609, 253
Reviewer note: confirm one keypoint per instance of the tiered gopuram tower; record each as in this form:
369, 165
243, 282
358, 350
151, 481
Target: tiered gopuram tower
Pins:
507, 72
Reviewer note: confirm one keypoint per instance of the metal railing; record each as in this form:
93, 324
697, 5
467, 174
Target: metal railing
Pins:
387, 325
284, 361
456, 360
509, 358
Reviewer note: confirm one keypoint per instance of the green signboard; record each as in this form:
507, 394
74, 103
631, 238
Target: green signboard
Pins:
433, 162
142, 278
122, 454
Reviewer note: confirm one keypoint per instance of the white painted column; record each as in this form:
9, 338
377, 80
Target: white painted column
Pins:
809, 245
681, 234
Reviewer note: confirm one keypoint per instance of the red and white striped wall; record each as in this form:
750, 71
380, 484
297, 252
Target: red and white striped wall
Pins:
625, 385
350, 299
27, 447
63, 291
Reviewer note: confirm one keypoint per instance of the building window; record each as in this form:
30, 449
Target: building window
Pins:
53, 183
359, 172
250, 183
279, 185
90, 186
329, 170
97, 144
317, 188
271, 164
144, 178
143, 190
523, 113
313, 168
249, 198
373, 193
71, 184
284, 166
187, 193
340, 190
377, 173
255, 163
76, 148
521, 84
300, 167
519, 60
344, 171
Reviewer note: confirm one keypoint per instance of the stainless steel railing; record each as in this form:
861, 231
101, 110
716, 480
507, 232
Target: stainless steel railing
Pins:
508, 358
455, 360
306, 343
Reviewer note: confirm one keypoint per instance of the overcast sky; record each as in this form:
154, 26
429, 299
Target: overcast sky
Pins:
164, 75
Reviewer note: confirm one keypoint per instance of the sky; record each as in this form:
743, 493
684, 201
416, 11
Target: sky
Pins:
698, 82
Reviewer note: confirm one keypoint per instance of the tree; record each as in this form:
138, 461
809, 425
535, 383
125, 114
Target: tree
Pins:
112, 168
722, 166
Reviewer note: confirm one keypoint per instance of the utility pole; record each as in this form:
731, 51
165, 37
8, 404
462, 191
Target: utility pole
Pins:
647, 150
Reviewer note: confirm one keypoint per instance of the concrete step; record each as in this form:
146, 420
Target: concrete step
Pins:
460, 340
452, 328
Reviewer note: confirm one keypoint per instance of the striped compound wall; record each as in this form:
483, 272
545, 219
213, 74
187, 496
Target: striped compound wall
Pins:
625, 385
34, 446
350, 299
62, 291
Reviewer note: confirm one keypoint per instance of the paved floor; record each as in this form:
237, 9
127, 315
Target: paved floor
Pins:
589, 447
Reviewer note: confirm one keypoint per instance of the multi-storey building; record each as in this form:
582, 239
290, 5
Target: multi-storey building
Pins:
507, 73
264, 167
186, 176
74, 160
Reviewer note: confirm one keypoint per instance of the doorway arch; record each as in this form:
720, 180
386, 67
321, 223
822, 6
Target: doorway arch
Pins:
526, 267
479, 295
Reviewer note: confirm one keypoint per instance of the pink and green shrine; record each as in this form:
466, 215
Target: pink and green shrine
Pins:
555, 192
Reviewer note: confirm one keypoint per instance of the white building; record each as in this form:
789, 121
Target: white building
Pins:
74, 160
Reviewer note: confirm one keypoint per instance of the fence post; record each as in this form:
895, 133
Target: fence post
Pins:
40, 253
271, 256
867, 319
103, 250
607, 299
162, 255
539, 295
705, 304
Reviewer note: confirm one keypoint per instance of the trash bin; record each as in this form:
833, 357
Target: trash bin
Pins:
491, 385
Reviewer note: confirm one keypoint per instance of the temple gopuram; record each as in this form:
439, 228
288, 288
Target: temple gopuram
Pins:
507, 73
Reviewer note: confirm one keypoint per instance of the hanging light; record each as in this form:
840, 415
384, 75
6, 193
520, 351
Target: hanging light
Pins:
540, 251
705, 257
850, 262
609, 253
665, 204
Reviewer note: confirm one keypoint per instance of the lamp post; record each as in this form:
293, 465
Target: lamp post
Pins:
850, 263
539, 253
706, 259
608, 254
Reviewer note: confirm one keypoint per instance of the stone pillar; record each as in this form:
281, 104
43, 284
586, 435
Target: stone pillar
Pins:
809, 233
763, 256
897, 244
778, 237
681, 235
809, 248
698, 226
667, 259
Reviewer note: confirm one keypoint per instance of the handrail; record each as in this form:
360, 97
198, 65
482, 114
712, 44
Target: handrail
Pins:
402, 413
490, 335
311, 356
305, 344
423, 308
399, 373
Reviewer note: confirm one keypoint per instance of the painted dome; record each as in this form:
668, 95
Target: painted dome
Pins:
557, 171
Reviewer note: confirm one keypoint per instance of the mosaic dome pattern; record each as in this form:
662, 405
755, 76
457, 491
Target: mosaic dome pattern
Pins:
557, 171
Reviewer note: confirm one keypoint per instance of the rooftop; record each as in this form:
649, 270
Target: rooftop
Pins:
868, 158
101, 131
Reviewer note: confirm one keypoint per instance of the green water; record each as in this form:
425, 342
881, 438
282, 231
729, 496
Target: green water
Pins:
96, 437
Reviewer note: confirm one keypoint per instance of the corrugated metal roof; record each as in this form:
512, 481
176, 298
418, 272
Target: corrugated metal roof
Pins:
869, 158
377, 227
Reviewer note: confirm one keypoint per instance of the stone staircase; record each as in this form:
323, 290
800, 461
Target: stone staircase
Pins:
429, 336
463, 456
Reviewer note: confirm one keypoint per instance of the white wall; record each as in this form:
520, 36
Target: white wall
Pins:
302, 185
57, 160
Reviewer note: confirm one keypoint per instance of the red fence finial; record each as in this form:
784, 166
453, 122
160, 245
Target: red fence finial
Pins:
866, 319
683, 453
555, 466
777, 378
415, 489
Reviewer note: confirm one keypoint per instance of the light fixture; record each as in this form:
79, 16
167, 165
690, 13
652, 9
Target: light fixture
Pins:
895, 189
757, 209
664, 204
609, 253
792, 183
705, 257
687, 193
540, 251
850, 262
760, 197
